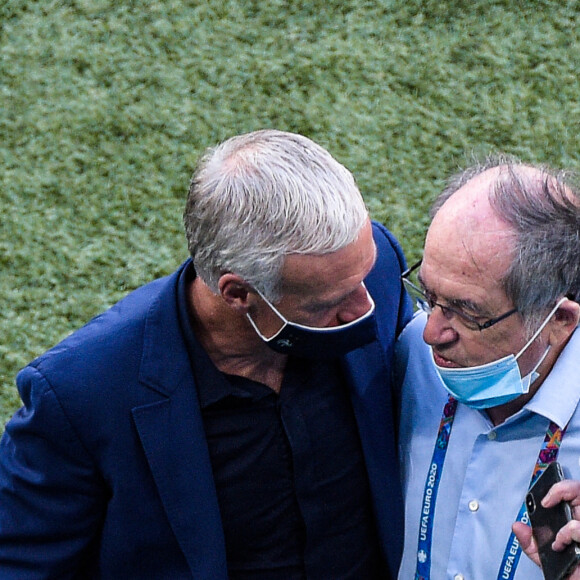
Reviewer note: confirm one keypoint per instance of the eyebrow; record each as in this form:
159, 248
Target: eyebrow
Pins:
457, 303
337, 301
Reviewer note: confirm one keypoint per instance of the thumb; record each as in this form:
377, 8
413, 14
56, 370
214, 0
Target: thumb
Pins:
524, 535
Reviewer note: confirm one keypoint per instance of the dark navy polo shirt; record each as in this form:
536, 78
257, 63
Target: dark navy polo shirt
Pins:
289, 472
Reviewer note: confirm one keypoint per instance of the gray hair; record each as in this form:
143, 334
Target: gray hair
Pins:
256, 198
543, 209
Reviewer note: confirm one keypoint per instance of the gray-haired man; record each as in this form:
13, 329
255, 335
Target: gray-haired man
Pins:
235, 419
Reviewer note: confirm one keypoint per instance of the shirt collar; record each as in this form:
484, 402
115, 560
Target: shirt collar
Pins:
559, 395
212, 385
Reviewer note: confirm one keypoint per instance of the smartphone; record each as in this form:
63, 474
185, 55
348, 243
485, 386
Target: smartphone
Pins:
546, 522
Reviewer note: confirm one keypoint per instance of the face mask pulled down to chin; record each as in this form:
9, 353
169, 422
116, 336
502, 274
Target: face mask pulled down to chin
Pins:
495, 383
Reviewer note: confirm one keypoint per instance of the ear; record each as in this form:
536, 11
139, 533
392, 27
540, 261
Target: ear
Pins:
236, 292
565, 321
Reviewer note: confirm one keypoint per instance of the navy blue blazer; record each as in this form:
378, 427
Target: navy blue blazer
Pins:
105, 471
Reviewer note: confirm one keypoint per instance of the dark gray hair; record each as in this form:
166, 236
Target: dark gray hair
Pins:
543, 209
258, 197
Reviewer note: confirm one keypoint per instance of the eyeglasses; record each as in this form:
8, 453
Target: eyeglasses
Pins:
427, 304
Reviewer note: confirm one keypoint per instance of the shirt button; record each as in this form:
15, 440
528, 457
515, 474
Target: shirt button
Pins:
492, 435
458, 577
473, 507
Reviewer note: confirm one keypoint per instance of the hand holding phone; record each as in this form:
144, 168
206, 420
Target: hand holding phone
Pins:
546, 522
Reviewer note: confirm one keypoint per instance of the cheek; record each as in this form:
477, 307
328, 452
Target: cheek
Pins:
322, 320
531, 356
478, 352
319, 319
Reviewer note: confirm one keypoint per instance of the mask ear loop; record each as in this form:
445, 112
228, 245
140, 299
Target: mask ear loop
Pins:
276, 312
537, 333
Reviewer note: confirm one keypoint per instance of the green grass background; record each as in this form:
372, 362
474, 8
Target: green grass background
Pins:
106, 105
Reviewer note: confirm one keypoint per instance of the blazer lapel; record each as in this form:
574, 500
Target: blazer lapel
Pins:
173, 438
174, 444
374, 408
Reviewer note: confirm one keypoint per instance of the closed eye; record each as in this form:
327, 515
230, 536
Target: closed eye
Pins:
464, 308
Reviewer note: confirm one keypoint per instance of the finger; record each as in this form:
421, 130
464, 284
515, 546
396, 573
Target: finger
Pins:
567, 490
566, 535
524, 535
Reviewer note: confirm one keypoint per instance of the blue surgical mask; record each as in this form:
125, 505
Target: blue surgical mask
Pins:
320, 343
494, 383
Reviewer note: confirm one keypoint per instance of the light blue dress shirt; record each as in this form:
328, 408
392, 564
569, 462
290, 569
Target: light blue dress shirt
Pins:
487, 469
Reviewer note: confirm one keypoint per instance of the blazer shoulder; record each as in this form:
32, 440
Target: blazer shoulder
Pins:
384, 281
387, 242
106, 356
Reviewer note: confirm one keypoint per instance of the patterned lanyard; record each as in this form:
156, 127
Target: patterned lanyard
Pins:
548, 454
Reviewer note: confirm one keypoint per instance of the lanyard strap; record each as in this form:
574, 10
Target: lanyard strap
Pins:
431, 488
548, 454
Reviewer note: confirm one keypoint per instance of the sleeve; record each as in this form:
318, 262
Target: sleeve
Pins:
52, 499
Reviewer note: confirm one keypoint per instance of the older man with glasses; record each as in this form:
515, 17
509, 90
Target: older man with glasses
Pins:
489, 369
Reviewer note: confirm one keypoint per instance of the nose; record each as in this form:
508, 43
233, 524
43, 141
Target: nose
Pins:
438, 330
355, 306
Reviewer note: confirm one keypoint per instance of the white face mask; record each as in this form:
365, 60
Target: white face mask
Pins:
494, 383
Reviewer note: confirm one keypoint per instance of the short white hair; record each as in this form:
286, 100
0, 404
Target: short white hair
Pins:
259, 197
